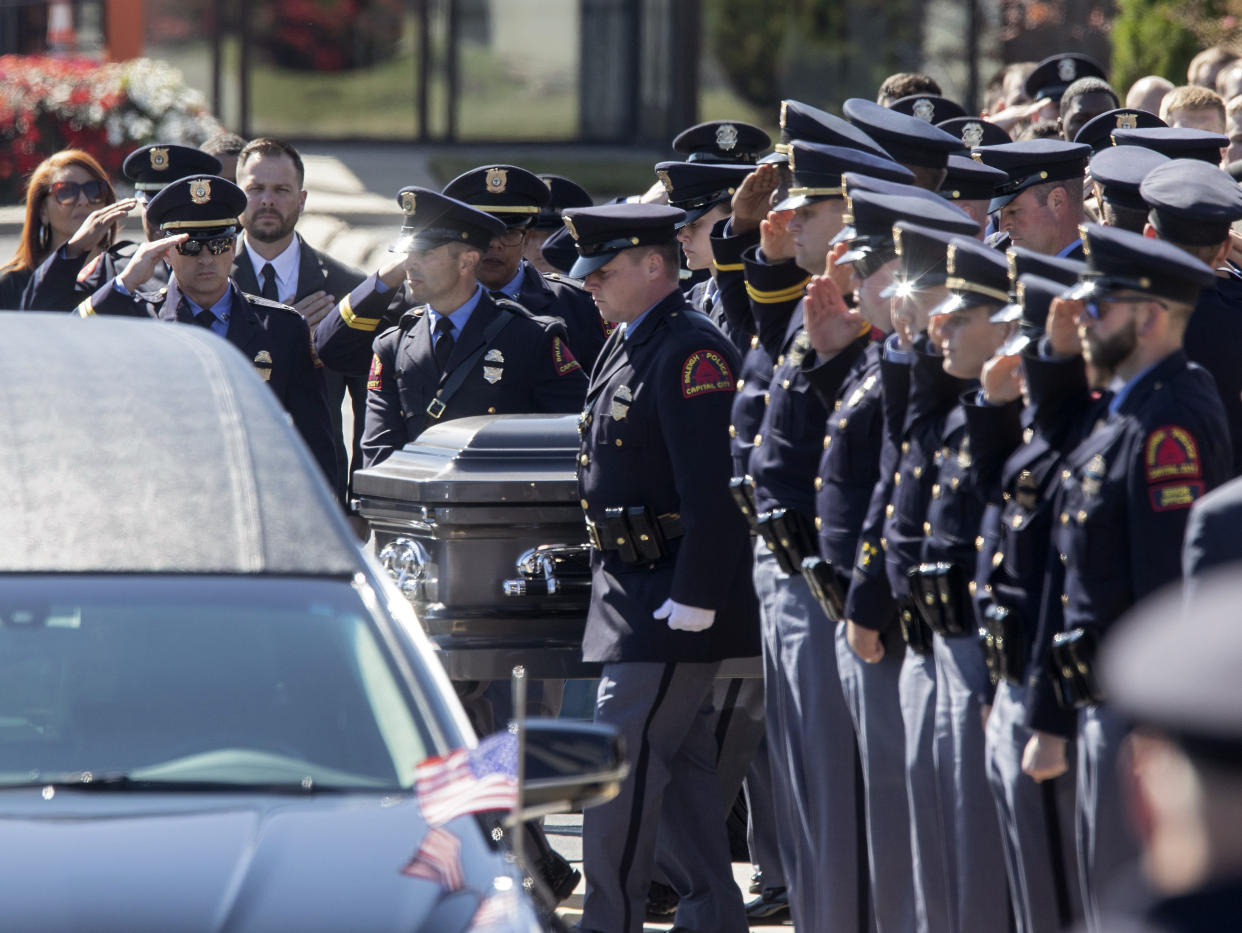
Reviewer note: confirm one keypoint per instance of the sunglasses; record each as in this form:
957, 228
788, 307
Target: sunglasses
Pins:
68, 192
1094, 309
217, 246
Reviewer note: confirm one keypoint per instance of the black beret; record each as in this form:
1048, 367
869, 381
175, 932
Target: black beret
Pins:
511, 193
968, 180
729, 141
810, 124
818, 170
1176, 142
697, 187
602, 232
1121, 260
433, 219
930, 108
1057, 72
1191, 202
1032, 162
1098, 131
202, 206
975, 132
907, 139
564, 193
152, 167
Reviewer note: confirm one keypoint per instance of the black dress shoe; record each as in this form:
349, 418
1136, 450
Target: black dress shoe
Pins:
661, 901
772, 904
756, 881
560, 877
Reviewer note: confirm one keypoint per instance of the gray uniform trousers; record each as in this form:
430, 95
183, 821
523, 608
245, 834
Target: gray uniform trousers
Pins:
875, 706
1037, 822
663, 713
978, 887
815, 777
1105, 846
916, 689
762, 835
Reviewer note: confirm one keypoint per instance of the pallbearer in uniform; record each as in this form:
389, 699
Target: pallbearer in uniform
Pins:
670, 598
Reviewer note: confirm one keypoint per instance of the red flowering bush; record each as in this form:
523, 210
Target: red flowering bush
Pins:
108, 109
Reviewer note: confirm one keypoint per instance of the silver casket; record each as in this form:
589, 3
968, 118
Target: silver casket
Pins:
479, 522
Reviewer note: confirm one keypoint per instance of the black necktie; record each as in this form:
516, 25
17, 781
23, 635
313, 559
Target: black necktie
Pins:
205, 319
442, 344
269, 283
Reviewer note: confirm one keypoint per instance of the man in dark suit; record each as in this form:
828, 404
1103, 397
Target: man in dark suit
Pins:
199, 219
275, 262
460, 351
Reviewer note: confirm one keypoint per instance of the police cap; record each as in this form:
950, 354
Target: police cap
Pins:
818, 170
907, 139
558, 249
1098, 131
930, 108
872, 215
152, 167
729, 141
968, 180
1176, 142
922, 251
564, 193
1023, 261
975, 132
1121, 260
202, 206
977, 275
1032, 162
1119, 170
1057, 72
602, 232
1032, 296
433, 219
1191, 202
810, 124
697, 187
510, 193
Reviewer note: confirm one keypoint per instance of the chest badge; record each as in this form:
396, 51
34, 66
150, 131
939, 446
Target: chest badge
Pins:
963, 454
1093, 475
263, 365
798, 351
621, 400
495, 372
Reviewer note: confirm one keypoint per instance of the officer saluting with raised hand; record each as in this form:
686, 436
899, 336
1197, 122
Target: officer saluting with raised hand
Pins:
460, 352
199, 217
670, 597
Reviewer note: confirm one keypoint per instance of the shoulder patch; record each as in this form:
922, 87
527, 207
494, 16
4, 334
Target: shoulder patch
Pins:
1170, 453
705, 371
375, 379
562, 358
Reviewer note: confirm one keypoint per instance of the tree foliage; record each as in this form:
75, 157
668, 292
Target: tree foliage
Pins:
1162, 36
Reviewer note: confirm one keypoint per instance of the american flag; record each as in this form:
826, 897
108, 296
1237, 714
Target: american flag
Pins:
468, 780
438, 859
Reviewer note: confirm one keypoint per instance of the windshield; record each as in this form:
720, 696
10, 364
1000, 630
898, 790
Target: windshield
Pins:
229, 680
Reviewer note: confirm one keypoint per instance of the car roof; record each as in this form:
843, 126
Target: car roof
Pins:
131, 446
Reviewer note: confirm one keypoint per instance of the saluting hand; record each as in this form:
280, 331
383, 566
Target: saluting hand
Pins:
753, 197
775, 239
146, 259
1002, 379
830, 323
97, 226
841, 275
1062, 327
392, 273
314, 307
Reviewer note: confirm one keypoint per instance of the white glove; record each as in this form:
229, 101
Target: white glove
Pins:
685, 618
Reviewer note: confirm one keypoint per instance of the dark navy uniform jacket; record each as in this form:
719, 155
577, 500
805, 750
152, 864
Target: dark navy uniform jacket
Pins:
273, 336
869, 601
1125, 493
1213, 336
653, 435
527, 368
933, 395
723, 297
343, 339
61, 284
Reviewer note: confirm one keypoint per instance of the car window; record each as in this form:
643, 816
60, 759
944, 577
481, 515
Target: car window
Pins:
245, 680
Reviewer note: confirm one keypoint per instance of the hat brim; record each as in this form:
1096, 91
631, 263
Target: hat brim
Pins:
1014, 345
959, 301
774, 158
1010, 312
793, 202
1003, 200
585, 265
1080, 291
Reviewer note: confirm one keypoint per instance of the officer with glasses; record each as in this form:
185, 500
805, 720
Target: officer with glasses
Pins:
198, 220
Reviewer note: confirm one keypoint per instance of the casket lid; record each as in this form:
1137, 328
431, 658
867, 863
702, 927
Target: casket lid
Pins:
486, 459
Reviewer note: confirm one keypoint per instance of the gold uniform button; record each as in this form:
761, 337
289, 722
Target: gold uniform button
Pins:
819, 523
1082, 516
836, 406
884, 544
491, 410
780, 361
954, 482
1065, 600
918, 472
584, 460
1005, 496
620, 541
767, 398
979, 543
889, 510
732, 431
926, 528
740, 384
754, 343
936, 491
1065, 518
1065, 559
827, 440
905, 447
583, 503
841, 425
896, 479
785, 384
1066, 474
819, 483
1028, 435
998, 558
1017, 521
618, 442
758, 439
972, 587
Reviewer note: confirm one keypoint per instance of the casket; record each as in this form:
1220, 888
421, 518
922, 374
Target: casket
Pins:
479, 523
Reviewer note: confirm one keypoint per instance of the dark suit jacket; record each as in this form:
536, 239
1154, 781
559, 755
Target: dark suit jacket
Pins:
317, 272
273, 336
530, 371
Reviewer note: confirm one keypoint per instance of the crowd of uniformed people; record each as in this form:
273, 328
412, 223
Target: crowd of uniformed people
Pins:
914, 406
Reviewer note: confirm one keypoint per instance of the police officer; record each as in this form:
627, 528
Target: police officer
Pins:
198, 217
1041, 205
727, 142
908, 140
1115, 174
669, 598
1176, 142
515, 196
64, 278
971, 185
848, 382
1193, 205
460, 351
1122, 503
1098, 131
563, 192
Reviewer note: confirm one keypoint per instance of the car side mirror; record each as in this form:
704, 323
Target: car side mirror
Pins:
569, 766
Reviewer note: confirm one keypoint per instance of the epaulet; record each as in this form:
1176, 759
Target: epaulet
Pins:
388, 330
511, 306
268, 303
156, 298
410, 318
565, 280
